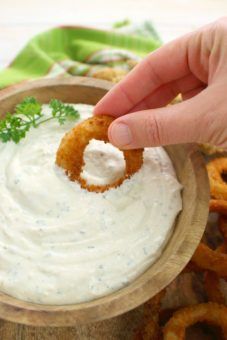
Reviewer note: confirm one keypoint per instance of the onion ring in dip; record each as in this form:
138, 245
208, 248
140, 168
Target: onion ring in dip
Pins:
210, 313
218, 187
71, 149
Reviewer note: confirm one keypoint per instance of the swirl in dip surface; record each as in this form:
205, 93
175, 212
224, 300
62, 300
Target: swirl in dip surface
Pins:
60, 244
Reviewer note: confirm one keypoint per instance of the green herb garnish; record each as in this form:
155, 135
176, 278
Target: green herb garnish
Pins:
13, 127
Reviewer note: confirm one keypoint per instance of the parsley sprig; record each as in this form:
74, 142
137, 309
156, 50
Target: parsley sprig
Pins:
28, 113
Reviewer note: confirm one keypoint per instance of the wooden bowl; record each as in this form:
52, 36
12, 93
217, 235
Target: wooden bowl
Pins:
189, 226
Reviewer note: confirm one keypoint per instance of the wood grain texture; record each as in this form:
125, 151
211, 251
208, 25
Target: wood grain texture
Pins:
186, 236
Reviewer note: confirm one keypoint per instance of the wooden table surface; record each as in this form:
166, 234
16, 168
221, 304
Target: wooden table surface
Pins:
19, 21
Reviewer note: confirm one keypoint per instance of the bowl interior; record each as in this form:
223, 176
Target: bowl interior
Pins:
188, 231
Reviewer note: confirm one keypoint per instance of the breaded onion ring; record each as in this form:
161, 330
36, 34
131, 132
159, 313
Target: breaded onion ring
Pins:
71, 150
209, 259
210, 313
218, 187
165, 315
211, 279
218, 206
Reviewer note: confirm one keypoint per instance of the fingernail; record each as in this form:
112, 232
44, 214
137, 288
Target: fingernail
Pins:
120, 134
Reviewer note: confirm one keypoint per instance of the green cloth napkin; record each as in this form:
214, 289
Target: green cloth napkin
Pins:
71, 51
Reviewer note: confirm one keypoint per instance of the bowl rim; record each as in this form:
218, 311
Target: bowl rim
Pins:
119, 302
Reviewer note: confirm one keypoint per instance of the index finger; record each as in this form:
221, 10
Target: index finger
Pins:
165, 65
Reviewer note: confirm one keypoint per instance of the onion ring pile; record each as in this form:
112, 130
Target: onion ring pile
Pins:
211, 279
70, 152
210, 313
211, 263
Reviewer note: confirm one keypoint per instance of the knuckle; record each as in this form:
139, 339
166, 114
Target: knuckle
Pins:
152, 130
154, 75
204, 129
207, 127
213, 117
126, 94
216, 132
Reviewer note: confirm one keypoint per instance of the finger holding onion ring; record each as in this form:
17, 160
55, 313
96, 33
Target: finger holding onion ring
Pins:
71, 150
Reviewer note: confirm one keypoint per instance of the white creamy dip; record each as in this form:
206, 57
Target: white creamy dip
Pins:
60, 244
104, 164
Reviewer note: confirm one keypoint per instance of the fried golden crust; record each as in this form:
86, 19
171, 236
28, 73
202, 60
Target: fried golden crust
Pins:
209, 259
215, 169
70, 152
210, 313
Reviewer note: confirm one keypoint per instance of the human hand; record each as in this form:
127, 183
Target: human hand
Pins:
194, 65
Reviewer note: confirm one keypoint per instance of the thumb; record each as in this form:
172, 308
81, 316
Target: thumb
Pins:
179, 123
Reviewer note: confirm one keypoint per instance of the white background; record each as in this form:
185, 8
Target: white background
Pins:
21, 19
